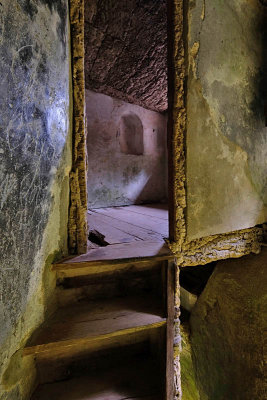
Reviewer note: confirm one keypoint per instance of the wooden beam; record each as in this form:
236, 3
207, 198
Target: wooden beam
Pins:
170, 331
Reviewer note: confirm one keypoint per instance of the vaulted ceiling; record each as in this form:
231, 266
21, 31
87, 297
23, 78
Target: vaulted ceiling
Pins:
126, 50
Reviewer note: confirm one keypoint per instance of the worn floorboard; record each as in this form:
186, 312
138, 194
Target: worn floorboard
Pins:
113, 231
124, 229
154, 210
135, 232
139, 222
144, 221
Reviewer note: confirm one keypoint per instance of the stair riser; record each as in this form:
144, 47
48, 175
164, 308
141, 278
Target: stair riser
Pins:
109, 289
103, 269
127, 280
69, 362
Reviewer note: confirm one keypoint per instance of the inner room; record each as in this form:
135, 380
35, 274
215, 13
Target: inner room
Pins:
126, 110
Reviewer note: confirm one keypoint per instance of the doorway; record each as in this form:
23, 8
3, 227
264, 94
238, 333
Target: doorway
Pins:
175, 93
77, 226
127, 111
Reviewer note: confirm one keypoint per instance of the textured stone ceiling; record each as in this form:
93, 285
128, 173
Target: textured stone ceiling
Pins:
126, 50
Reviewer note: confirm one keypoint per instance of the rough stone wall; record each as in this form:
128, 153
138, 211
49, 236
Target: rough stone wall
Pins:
126, 50
226, 135
228, 329
35, 154
117, 176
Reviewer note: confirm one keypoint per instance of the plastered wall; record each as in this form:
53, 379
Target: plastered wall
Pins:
35, 161
127, 152
226, 140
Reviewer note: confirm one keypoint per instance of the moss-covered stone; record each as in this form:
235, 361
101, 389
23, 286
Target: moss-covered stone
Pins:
189, 388
227, 331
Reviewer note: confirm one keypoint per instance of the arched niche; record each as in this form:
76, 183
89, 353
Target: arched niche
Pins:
131, 134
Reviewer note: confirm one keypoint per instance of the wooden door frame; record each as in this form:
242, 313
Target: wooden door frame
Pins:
176, 122
77, 226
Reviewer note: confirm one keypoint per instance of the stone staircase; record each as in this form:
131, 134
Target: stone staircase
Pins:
111, 337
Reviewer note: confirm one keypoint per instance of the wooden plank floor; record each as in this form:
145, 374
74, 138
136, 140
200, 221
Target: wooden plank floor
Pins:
132, 232
130, 223
138, 380
92, 319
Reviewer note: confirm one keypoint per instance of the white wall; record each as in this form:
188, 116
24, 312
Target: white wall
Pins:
116, 178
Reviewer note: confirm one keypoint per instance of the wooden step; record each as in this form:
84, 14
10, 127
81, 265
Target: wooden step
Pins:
104, 269
96, 323
116, 254
96, 283
138, 380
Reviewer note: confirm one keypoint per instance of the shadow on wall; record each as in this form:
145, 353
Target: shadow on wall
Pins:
127, 153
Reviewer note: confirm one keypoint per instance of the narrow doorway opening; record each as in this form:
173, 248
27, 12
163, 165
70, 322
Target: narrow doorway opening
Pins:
126, 109
120, 62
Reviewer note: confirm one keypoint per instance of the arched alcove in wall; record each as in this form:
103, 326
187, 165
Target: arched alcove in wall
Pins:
131, 134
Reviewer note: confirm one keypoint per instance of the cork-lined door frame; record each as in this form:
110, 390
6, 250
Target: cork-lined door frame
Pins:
176, 72
77, 226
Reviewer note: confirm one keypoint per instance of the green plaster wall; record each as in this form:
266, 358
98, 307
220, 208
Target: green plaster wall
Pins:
35, 162
226, 140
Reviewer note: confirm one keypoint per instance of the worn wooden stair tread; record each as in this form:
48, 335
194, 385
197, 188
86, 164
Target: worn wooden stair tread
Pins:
93, 321
119, 253
137, 380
